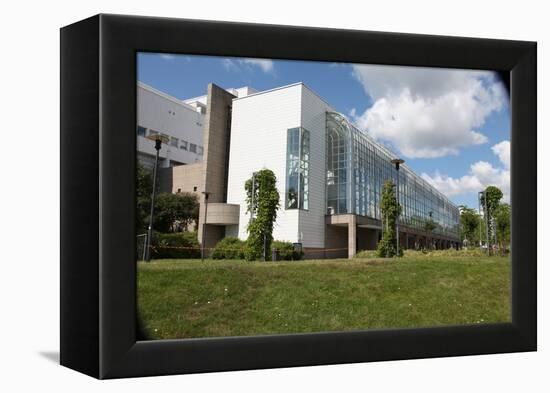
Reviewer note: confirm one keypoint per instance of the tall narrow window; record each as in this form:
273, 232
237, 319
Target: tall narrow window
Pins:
297, 169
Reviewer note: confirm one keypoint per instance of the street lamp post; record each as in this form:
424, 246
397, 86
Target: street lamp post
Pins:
397, 162
203, 240
158, 139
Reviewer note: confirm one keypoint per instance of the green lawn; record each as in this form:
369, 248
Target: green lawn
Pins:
188, 298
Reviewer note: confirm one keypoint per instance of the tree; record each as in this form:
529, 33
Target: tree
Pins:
469, 224
490, 200
174, 211
502, 221
144, 188
262, 199
390, 210
429, 227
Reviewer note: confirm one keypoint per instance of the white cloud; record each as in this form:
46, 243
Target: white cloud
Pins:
265, 65
502, 150
167, 56
428, 112
482, 174
230, 65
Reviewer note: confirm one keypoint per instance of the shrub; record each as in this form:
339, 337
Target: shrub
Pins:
230, 247
175, 245
366, 254
286, 251
450, 252
387, 247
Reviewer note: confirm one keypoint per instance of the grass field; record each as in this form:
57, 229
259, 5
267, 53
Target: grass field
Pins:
188, 298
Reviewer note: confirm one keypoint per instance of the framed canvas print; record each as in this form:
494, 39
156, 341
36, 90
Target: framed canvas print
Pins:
240, 196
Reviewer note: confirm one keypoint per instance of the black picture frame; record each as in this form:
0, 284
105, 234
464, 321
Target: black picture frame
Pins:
98, 261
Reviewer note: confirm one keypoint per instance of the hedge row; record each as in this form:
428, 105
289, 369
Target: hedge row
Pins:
182, 245
175, 245
232, 247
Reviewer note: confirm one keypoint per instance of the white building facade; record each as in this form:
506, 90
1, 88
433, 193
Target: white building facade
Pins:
181, 123
261, 127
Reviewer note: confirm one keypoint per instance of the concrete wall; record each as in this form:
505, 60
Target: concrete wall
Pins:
184, 178
367, 238
222, 214
336, 241
216, 138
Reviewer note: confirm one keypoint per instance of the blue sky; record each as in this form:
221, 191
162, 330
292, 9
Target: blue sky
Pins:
451, 126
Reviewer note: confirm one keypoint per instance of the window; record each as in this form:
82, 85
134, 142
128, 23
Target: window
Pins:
195, 188
183, 145
297, 169
193, 148
174, 141
165, 138
153, 132
338, 192
200, 150
141, 131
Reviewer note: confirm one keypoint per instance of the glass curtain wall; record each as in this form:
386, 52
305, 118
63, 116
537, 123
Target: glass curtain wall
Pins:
297, 169
356, 169
338, 165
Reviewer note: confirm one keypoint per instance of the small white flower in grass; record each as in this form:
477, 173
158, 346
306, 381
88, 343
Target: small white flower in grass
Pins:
156, 330
208, 302
410, 304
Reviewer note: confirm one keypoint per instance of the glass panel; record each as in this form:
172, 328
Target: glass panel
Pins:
141, 131
345, 144
297, 169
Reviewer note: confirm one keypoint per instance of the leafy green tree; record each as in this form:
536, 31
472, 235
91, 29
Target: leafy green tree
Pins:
390, 210
144, 187
490, 200
469, 224
173, 211
430, 225
502, 220
262, 200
